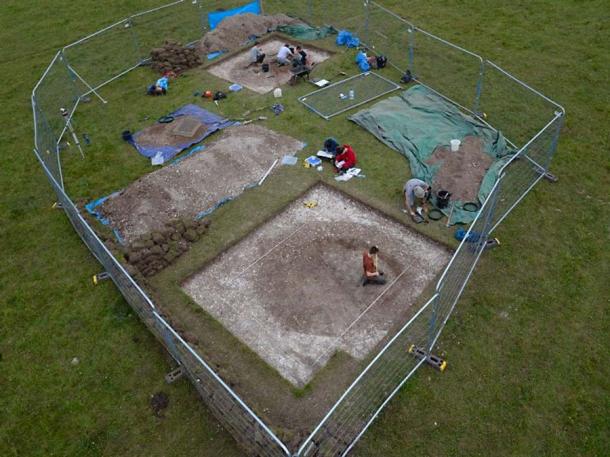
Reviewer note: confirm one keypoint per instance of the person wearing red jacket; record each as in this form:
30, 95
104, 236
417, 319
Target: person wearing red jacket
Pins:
345, 158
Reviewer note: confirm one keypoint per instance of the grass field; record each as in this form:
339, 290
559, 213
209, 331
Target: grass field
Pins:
526, 347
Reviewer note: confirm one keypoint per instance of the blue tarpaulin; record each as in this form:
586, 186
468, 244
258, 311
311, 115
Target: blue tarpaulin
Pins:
212, 121
217, 16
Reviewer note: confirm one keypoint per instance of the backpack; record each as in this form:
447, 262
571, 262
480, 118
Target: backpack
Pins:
381, 61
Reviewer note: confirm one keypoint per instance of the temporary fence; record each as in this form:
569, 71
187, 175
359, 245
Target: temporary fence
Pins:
530, 120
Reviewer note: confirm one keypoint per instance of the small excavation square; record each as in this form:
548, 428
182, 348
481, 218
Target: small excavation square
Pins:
291, 290
237, 70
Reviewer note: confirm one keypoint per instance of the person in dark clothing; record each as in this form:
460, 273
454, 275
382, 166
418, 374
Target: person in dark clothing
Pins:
301, 55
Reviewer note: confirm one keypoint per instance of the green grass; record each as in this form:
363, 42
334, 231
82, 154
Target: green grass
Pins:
526, 347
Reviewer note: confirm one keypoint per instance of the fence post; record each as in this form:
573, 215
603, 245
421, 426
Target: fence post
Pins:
365, 35
433, 316
130, 24
479, 89
554, 141
411, 66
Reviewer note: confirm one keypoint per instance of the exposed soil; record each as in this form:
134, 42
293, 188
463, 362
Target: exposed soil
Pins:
172, 56
237, 69
235, 31
161, 134
461, 172
291, 290
239, 157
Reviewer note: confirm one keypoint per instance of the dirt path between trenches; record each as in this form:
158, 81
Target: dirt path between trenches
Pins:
239, 158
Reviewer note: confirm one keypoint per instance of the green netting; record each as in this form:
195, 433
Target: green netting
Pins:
306, 32
336, 99
418, 120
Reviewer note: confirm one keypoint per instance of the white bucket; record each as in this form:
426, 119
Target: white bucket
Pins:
455, 145
277, 93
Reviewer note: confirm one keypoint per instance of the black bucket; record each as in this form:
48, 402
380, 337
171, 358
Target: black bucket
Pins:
442, 199
265, 67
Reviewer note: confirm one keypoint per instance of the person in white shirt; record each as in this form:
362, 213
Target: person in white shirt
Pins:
284, 55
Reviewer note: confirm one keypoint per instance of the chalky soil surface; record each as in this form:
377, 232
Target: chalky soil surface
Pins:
237, 69
291, 290
239, 157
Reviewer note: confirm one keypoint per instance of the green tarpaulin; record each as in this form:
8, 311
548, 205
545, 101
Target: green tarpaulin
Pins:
305, 32
415, 122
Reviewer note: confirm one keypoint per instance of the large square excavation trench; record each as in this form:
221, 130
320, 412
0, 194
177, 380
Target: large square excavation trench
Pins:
237, 69
291, 290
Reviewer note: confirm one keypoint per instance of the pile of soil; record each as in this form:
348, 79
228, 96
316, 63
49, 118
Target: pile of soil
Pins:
172, 56
161, 134
235, 31
154, 251
461, 172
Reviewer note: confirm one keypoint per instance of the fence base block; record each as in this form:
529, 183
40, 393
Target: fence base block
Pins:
431, 359
174, 375
100, 277
493, 243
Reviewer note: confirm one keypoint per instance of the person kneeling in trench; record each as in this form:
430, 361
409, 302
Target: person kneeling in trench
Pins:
371, 275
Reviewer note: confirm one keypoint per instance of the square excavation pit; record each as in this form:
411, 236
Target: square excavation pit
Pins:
237, 70
240, 157
291, 290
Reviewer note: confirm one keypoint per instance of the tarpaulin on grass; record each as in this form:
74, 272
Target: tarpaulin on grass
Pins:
212, 122
306, 32
216, 17
415, 122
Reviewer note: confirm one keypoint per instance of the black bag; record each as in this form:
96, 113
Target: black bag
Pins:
219, 95
382, 61
407, 77
265, 67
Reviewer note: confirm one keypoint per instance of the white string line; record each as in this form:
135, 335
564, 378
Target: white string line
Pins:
269, 251
340, 337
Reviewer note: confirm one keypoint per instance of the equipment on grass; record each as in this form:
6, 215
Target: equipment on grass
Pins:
100, 277
407, 77
442, 199
166, 119
450, 214
219, 95
66, 115
435, 214
472, 207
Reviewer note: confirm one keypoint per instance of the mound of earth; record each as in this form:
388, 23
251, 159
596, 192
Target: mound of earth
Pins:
235, 31
172, 56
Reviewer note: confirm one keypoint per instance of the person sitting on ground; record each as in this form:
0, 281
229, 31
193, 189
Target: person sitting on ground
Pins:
416, 194
284, 55
372, 274
256, 55
160, 86
345, 159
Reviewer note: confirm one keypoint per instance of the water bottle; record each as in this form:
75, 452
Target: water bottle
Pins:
351, 94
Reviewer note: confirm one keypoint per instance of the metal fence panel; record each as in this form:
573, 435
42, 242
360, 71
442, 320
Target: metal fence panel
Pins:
450, 70
369, 393
180, 21
102, 56
513, 107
